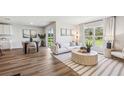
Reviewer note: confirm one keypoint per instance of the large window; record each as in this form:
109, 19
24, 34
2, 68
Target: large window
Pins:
99, 36
89, 34
95, 35
50, 37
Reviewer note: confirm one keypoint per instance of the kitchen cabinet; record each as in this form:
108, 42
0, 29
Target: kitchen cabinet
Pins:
5, 29
5, 36
1, 29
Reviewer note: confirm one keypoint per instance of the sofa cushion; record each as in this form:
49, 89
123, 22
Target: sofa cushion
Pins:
74, 47
63, 45
58, 45
118, 54
72, 43
61, 50
123, 51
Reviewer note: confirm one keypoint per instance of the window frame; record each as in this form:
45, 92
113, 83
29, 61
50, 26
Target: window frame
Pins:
51, 36
94, 35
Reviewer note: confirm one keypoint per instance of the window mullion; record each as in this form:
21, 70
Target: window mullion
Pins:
94, 36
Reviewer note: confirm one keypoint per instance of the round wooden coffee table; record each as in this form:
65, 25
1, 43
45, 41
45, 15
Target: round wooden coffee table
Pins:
85, 58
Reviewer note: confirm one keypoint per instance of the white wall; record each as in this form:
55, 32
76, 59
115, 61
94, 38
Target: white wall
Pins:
17, 36
64, 40
119, 33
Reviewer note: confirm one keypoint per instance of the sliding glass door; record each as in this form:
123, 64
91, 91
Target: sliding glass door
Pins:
89, 34
99, 40
95, 35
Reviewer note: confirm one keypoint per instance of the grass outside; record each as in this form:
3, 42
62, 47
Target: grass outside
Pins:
50, 41
98, 42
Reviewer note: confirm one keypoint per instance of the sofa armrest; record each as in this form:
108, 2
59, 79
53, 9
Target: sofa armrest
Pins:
117, 54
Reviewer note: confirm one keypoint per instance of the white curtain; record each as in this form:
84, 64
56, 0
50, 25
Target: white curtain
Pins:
82, 38
109, 28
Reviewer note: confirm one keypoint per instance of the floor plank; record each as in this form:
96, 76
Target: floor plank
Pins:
15, 62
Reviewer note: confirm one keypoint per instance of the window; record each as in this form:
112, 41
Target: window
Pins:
50, 37
99, 36
89, 34
95, 35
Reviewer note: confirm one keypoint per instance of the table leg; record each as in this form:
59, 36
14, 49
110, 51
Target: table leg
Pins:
25, 48
37, 46
1, 52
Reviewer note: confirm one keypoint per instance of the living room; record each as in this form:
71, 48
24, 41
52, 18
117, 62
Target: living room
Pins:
66, 46
27, 38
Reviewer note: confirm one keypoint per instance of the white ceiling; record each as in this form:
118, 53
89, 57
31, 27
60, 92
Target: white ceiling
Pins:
45, 20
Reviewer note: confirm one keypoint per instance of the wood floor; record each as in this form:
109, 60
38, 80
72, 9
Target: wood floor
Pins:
15, 63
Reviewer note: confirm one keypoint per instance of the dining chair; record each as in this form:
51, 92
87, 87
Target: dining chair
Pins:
31, 47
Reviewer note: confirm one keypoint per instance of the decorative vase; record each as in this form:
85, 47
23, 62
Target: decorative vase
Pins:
109, 45
88, 50
31, 39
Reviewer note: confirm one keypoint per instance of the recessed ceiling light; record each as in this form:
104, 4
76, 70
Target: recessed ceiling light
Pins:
31, 23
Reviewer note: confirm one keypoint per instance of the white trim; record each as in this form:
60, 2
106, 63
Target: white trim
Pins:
94, 36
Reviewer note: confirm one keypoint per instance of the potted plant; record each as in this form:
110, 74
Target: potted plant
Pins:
89, 44
42, 38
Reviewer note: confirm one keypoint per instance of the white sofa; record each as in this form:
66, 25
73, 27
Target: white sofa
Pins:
56, 50
71, 45
118, 54
65, 48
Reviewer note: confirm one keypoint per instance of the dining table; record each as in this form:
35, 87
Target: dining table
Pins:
26, 44
0, 52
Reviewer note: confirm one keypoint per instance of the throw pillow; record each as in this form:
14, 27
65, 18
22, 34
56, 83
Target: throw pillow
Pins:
59, 45
72, 43
123, 52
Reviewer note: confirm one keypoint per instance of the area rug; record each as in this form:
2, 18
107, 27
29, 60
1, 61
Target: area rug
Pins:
105, 66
